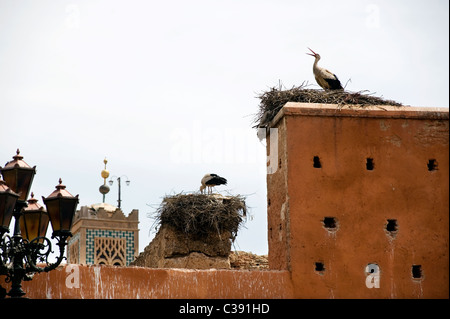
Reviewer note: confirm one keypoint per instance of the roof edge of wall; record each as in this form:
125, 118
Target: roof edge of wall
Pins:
372, 111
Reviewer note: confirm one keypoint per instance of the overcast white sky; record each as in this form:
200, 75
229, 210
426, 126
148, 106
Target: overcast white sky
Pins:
166, 90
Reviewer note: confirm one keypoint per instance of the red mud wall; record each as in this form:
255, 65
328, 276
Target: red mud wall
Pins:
327, 222
330, 262
99, 282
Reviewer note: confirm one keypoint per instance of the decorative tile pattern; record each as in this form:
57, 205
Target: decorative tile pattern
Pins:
110, 251
91, 234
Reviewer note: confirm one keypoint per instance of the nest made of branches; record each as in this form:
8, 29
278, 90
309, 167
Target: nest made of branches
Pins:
273, 100
200, 215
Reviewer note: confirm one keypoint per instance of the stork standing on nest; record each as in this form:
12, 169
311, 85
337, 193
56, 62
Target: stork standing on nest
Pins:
326, 79
211, 180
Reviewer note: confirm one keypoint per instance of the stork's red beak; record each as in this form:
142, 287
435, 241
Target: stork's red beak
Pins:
314, 53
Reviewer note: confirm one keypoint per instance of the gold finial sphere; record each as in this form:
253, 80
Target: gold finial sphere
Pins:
105, 174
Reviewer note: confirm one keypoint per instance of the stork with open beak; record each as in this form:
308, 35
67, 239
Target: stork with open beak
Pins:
326, 79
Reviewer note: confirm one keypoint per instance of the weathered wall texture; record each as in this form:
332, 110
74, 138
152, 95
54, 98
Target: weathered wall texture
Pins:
173, 249
99, 282
374, 171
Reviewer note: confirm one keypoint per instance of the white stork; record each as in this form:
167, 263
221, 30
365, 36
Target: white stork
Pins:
211, 180
326, 79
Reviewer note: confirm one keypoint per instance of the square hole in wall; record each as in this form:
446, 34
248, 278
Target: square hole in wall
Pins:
391, 225
329, 223
319, 266
370, 165
432, 165
417, 271
372, 268
316, 162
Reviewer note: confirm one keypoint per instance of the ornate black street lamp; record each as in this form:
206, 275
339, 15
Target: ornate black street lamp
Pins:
21, 253
34, 220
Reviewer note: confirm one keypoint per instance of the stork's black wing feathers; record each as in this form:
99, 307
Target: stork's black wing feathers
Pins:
334, 84
216, 180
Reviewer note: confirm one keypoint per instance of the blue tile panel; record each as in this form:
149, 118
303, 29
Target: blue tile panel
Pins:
104, 233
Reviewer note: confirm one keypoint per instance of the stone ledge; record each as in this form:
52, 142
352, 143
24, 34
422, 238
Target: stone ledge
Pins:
375, 111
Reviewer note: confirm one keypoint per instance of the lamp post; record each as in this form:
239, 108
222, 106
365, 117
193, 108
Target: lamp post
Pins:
118, 183
28, 246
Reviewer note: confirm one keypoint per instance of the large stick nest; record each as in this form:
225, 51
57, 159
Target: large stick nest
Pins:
199, 215
273, 100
